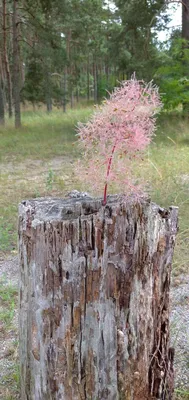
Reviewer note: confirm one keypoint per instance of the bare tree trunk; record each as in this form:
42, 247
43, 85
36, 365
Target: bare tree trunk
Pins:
2, 95
77, 94
64, 90
49, 104
185, 20
6, 61
48, 91
94, 299
88, 80
2, 110
71, 97
185, 36
16, 66
107, 73
95, 82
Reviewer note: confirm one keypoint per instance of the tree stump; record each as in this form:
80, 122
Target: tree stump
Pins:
94, 299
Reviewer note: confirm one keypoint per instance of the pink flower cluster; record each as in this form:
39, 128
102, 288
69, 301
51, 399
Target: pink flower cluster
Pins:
119, 131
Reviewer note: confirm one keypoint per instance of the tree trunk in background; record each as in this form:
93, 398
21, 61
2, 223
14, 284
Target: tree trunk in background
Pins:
94, 299
185, 36
77, 94
71, 98
16, 66
2, 95
65, 90
49, 104
6, 61
2, 111
95, 82
48, 93
88, 80
107, 74
185, 20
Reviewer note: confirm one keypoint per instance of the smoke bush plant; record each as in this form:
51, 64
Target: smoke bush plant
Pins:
118, 132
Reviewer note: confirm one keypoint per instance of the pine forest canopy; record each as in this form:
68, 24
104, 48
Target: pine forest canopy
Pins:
59, 52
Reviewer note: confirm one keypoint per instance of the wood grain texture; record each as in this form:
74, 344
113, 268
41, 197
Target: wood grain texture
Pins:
94, 299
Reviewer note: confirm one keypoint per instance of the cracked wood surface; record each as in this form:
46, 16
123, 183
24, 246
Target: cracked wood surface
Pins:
94, 299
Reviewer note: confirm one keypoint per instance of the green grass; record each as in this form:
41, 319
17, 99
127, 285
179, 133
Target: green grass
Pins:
167, 169
9, 384
29, 158
8, 298
6, 232
181, 394
7, 293
41, 136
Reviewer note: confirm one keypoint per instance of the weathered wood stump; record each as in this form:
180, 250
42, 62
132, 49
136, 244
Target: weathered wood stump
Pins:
94, 299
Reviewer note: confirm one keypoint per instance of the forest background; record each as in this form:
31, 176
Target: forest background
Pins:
59, 53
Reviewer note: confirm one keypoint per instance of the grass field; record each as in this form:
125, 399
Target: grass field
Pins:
34, 161
37, 160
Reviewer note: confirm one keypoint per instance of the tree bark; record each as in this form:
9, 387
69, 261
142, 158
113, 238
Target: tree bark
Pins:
2, 96
95, 87
77, 94
185, 36
2, 110
88, 79
71, 97
16, 67
64, 99
94, 299
185, 20
48, 90
6, 61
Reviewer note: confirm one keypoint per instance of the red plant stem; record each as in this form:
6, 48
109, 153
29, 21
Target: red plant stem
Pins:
108, 173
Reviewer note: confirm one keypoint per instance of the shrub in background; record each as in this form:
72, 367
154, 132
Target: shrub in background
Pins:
172, 76
118, 132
